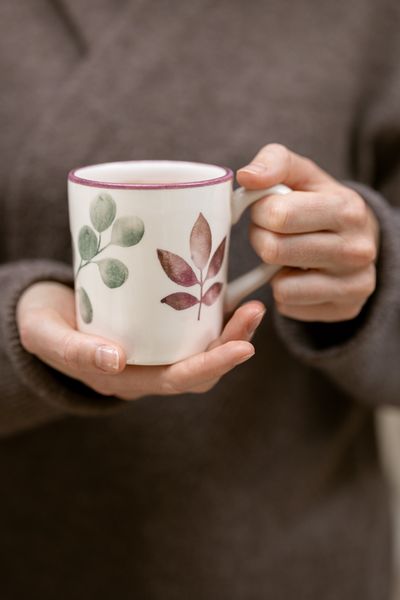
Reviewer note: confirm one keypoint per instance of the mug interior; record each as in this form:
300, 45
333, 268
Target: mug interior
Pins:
153, 174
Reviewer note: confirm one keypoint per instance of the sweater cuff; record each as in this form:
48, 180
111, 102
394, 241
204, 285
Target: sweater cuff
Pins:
332, 347
59, 392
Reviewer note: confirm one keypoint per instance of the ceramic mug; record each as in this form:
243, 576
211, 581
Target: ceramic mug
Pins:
150, 243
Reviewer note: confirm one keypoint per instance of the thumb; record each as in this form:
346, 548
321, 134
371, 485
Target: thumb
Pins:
275, 163
47, 335
242, 324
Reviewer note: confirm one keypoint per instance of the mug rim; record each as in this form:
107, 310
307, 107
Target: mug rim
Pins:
226, 176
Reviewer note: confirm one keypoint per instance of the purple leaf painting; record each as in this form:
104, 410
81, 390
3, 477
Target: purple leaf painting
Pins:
180, 272
200, 242
216, 261
212, 294
180, 300
177, 269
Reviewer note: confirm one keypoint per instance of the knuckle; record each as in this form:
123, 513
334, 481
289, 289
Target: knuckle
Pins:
278, 216
309, 164
342, 292
370, 252
169, 387
271, 251
368, 284
356, 288
276, 148
279, 153
203, 363
359, 252
353, 211
281, 292
70, 350
364, 252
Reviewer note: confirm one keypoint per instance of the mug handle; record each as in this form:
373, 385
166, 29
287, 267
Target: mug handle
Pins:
249, 282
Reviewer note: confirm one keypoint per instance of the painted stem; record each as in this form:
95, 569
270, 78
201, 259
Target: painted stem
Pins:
103, 248
201, 294
79, 268
88, 262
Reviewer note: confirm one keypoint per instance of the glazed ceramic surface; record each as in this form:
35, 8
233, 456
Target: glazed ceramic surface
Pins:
150, 244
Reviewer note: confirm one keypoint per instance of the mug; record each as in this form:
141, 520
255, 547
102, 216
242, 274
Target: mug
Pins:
150, 245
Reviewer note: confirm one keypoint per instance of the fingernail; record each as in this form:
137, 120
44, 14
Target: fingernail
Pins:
243, 359
107, 359
255, 168
255, 323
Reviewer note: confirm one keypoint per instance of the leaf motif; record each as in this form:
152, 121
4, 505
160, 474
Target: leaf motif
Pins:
212, 293
85, 306
200, 242
176, 268
102, 211
127, 231
216, 261
87, 242
180, 300
113, 272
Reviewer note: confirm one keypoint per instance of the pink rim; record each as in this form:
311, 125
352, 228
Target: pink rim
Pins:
228, 174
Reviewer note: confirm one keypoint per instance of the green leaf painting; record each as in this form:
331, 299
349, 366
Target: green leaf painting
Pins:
102, 211
126, 231
87, 242
113, 272
85, 306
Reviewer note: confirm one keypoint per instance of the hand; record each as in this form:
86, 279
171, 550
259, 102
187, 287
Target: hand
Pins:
323, 232
47, 327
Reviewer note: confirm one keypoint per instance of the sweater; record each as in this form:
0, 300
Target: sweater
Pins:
269, 485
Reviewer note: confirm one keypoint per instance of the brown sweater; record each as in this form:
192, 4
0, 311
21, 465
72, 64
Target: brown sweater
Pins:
268, 487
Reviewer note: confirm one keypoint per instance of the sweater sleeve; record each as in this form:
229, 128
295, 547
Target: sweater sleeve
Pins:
361, 356
32, 393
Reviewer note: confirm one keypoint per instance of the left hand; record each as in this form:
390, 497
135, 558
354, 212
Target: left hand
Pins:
47, 326
323, 233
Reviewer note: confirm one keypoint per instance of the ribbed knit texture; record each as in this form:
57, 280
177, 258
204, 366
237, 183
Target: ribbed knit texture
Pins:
35, 391
364, 364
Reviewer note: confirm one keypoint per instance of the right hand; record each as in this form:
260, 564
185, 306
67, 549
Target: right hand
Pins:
47, 326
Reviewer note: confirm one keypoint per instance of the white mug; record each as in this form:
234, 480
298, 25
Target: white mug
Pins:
150, 243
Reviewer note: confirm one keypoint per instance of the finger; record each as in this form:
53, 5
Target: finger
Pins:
302, 288
47, 335
321, 250
298, 212
210, 365
242, 324
184, 376
327, 312
137, 381
275, 163
193, 374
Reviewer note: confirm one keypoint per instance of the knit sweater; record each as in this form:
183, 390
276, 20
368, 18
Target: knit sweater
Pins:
268, 486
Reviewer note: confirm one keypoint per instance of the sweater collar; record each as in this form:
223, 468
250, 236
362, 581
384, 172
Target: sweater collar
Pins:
119, 75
